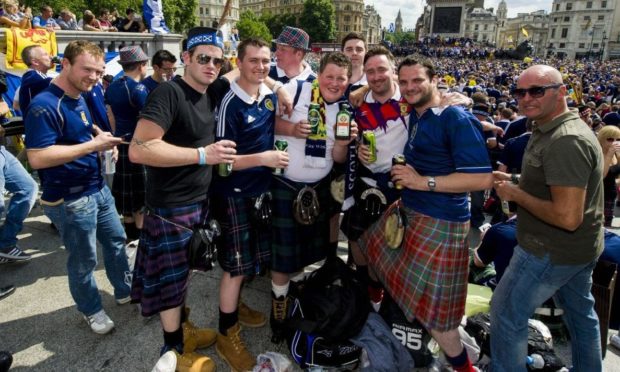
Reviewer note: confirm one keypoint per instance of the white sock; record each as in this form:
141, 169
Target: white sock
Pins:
279, 290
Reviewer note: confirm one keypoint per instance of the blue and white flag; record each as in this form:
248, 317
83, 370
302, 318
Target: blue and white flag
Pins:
154, 16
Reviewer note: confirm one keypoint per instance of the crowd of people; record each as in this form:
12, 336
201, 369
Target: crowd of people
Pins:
12, 14
444, 133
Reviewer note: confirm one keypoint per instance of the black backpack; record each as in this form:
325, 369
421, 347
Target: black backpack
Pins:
333, 304
328, 307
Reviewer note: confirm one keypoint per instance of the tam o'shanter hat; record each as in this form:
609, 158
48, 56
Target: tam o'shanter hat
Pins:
132, 54
294, 37
203, 36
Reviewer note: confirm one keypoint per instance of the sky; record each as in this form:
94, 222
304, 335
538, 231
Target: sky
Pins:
411, 10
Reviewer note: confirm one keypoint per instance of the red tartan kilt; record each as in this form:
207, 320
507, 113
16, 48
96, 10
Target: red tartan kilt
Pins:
427, 276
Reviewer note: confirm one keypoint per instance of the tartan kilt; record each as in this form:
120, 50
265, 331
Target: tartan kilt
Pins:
427, 276
244, 247
295, 246
161, 272
128, 187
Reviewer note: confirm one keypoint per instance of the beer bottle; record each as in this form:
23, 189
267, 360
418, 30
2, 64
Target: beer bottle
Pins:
343, 123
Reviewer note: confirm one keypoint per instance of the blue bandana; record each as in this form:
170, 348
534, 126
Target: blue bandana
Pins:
203, 36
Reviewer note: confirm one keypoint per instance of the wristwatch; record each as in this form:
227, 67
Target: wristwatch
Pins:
431, 183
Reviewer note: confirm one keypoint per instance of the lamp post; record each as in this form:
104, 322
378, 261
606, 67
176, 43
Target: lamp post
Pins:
603, 45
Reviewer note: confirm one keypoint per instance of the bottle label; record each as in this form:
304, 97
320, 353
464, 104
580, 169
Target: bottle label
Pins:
342, 125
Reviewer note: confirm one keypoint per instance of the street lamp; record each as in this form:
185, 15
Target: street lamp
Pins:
603, 45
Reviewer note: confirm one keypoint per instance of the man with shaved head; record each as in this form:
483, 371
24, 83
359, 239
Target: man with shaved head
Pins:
560, 211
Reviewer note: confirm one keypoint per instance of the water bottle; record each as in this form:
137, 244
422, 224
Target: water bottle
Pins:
535, 361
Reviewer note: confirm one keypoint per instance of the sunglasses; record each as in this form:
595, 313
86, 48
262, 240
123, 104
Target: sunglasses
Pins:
534, 92
204, 59
613, 139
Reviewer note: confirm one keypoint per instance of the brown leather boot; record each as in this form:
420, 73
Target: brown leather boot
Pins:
194, 337
233, 350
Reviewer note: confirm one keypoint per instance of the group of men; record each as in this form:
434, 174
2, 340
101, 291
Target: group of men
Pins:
185, 128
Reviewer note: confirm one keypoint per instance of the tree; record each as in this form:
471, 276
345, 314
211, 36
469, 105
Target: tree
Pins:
276, 22
318, 20
250, 26
180, 15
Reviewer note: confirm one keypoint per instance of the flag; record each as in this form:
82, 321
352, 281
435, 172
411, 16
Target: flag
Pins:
17, 39
510, 38
154, 17
524, 32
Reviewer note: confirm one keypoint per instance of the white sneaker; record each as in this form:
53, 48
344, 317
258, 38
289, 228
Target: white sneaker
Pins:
100, 322
166, 362
123, 301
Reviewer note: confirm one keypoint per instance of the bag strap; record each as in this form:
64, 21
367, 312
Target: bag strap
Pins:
150, 212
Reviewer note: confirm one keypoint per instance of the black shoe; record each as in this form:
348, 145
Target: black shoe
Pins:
6, 359
4, 292
279, 312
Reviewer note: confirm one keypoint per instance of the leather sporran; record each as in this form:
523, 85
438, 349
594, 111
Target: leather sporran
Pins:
261, 209
202, 252
394, 228
306, 206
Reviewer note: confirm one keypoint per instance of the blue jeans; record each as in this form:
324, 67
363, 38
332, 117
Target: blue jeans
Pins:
15, 179
527, 283
81, 223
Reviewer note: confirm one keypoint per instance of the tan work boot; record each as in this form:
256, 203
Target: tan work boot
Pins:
249, 317
233, 350
193, 362
194, 337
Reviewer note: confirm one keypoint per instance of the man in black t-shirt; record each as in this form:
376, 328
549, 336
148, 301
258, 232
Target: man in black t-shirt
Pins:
175, 138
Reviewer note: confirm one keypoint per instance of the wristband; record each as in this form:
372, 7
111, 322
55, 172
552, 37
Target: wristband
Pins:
202, 157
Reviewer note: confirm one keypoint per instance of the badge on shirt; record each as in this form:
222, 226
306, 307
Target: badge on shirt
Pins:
269, 104
84, 119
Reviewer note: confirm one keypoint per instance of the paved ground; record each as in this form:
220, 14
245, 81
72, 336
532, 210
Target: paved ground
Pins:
41, 327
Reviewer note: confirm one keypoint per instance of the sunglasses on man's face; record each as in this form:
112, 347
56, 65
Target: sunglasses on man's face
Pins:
534, 92
613, 139
204, 59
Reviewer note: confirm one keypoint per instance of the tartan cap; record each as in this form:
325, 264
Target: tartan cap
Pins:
132, 54
203, 36
294, 37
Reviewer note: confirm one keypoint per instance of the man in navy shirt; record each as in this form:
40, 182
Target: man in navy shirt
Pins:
35, 79
164, 67
125, 98
446, 157
63, 144
247, 117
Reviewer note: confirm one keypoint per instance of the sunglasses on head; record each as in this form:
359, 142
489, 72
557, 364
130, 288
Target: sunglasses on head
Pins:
204, 59
534, 92
613, 139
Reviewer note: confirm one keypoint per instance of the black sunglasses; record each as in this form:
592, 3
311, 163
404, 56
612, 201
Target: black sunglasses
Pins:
613, 139
204, 59
534, 92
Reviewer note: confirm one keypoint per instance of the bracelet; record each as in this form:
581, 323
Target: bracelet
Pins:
202, 156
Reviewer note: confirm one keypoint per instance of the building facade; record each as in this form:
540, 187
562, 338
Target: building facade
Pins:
371, 25
583, 28
481, 25
209, 12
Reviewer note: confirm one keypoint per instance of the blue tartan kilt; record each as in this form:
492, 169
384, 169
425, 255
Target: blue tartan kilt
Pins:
128, 187
160, 277
244, 247
295, 246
